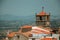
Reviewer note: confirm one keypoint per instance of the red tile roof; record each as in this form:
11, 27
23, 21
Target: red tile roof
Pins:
36, 30
40, 30
11, 34
42, 13
49, 39
26, 26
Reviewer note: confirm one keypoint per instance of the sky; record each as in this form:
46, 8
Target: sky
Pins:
26, 9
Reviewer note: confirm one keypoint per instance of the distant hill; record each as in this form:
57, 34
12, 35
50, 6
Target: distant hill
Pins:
55, 23
15, 24
16, 21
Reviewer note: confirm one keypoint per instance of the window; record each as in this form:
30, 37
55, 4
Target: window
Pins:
40, 17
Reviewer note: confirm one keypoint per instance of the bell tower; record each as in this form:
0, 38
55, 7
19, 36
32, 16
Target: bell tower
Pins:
43, 18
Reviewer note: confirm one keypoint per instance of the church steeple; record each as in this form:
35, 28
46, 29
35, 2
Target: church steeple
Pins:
42, 18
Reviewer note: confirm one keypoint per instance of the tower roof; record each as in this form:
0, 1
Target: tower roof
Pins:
42, 12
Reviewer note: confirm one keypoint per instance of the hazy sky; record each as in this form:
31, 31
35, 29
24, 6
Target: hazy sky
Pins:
16, 9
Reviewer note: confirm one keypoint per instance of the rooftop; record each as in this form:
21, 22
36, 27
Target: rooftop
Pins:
42, 13
35, 30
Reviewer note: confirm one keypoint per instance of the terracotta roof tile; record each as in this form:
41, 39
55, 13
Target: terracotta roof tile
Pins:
11, 34
42, 13
26, 26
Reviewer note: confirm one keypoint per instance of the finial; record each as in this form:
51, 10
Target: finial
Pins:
42, 8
